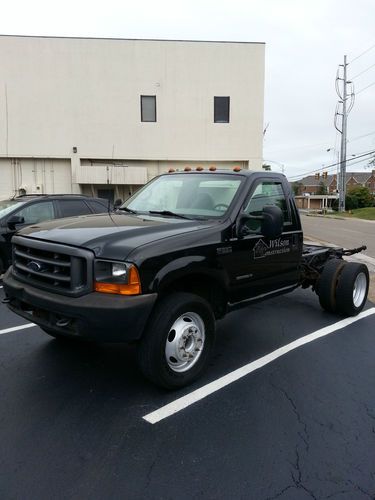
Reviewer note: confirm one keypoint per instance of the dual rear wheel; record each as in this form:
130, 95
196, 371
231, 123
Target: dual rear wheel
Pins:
343, 286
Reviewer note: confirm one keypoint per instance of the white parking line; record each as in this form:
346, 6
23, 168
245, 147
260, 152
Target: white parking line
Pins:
1, 286
15, 328
206, 390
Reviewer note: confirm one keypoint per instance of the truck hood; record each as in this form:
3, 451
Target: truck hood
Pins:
112, 236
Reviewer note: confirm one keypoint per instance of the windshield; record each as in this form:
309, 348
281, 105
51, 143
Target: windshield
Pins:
7, 206
191, 195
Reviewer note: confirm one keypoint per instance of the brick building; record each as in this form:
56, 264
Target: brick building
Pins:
311, 185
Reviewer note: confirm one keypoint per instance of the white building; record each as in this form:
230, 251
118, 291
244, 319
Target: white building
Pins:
103, 116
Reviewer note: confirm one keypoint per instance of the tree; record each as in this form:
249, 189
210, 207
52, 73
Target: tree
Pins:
297, 186
322, 189
266, 167
359, 197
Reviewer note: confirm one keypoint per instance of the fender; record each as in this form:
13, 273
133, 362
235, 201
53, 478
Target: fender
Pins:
186, 267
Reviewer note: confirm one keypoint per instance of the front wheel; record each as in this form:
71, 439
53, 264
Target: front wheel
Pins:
178, 341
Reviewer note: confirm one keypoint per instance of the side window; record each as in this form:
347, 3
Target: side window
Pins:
266, 193
96, 207
70, 208
37, 212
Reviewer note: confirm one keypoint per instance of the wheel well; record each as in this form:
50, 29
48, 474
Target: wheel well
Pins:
204, 286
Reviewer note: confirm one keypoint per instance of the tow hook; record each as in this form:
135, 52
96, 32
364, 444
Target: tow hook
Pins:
62, 322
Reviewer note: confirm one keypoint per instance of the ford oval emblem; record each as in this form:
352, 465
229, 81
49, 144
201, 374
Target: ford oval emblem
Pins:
35, 266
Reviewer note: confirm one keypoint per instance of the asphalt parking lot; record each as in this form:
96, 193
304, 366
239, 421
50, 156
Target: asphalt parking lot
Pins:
302, 426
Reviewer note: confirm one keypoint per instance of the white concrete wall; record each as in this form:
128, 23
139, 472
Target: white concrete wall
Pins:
35, 175
57, 93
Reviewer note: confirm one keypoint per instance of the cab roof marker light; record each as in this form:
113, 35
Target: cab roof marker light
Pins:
212, 168
237, 169
171, 170
187, 169
199, 169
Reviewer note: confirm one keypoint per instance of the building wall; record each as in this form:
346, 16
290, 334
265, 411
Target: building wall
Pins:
34, 175
60, 93
68, 103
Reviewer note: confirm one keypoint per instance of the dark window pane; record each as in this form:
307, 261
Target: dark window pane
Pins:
37, 212
221, 109
69, 208
266, 193
148, 108
98, 208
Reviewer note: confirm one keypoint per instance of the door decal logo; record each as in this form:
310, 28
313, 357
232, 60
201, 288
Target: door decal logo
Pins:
275, 247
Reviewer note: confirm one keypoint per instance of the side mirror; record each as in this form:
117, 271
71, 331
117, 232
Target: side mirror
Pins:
272, 222
14, 220
117, 203
271, 226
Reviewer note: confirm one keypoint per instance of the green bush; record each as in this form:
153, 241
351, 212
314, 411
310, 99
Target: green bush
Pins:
351, 202
359, 197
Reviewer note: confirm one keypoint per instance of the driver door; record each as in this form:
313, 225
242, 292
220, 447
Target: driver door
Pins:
261, 266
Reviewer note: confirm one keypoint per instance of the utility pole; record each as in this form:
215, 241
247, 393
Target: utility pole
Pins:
344, 95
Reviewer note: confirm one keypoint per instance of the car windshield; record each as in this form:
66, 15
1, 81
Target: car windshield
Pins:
190, 195
7, 206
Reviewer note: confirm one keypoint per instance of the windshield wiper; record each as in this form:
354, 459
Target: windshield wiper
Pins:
126, 209
168, 212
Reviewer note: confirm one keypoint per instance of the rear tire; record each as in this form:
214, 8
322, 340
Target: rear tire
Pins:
178, 341
352, 289
326, 285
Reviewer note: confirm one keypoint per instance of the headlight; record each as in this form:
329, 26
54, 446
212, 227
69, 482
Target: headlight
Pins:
119, 270
117, 277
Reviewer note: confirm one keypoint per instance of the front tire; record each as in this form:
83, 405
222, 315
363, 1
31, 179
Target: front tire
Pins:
178, 341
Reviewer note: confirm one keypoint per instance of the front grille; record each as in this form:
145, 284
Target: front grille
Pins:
51, 266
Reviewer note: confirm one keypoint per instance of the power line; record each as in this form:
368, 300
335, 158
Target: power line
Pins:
332, 165
371, 84
364, 71
361, 136
363, 53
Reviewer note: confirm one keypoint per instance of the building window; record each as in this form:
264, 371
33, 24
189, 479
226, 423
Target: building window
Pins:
148, 108
221, 109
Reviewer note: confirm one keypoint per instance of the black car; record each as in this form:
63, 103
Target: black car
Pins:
26, 210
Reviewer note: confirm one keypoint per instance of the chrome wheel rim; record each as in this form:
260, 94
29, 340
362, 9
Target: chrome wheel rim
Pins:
359, 289
185, 342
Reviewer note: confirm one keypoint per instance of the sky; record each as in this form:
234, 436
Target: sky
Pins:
305, 43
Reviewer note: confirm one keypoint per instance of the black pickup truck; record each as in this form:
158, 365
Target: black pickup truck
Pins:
182, 252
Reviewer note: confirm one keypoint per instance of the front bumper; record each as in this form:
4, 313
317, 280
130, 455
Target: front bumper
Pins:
97, 316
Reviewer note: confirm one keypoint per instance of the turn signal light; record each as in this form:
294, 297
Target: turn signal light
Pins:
133, 287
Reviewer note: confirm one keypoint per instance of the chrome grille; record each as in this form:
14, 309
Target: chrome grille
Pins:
51, 266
